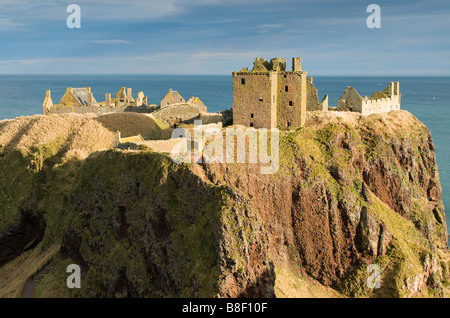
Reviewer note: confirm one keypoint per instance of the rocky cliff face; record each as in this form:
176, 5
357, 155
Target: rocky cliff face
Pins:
150, 228
351, 191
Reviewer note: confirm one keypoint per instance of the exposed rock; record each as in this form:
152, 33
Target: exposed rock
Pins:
350, 191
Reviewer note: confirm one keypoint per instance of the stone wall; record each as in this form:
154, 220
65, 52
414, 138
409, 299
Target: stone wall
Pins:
312, 99
269, 96
177, 113
380, 102
292, 99
252, 99
383, 105
99, 110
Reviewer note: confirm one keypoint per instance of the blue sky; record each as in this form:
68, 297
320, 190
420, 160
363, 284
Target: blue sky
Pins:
220, 36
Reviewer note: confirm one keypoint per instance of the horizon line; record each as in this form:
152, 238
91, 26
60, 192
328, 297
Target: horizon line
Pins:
220, 74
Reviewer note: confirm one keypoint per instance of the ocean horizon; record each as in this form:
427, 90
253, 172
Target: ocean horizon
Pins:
426, 97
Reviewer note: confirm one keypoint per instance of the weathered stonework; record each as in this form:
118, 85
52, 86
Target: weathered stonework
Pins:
312, 102
78, 97
268, 96
48, 103
379, 102
172, 97
82, 101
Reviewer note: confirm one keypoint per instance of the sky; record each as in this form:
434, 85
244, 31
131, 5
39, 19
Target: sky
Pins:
221, 36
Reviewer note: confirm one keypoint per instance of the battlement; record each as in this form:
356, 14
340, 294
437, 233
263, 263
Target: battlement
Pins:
379, 102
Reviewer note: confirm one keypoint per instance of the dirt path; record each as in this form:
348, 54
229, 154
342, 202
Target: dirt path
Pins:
36, 278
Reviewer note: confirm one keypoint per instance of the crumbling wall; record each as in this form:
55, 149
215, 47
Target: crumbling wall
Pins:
381, 105
379, 102
350, 100
99, 110
196, 102
312, 98
177, 113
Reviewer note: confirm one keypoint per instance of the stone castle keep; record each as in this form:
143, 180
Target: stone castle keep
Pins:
268, 96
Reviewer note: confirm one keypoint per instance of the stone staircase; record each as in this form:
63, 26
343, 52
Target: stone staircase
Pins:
37, 277
43, 271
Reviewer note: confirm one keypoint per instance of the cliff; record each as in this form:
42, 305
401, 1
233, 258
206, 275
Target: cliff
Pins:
351, 191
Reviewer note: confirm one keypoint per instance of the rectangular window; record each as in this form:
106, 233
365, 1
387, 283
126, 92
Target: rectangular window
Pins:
260, 97
243, 81
251, 124
251, 115
290, 103
286, 89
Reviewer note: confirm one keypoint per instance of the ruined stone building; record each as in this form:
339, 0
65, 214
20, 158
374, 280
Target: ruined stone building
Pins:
269, 96
77, 97
173, 107
172, 98
379, 102
81, 100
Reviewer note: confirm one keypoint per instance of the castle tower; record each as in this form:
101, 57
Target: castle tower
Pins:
108, 99
397, 93
129, 94
269, 96
391, 89
139, 99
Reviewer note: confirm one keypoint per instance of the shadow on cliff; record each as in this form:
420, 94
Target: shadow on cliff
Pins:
263, 287
131, 124
152, 228
15, 140
25, 235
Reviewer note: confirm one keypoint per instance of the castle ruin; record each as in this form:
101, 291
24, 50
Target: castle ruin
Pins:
379, 102
172, 108
269, 96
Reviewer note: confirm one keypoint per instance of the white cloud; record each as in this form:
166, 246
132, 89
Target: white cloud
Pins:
9, 24
111, 42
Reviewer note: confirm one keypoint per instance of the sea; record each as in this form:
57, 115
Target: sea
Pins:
427, 98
